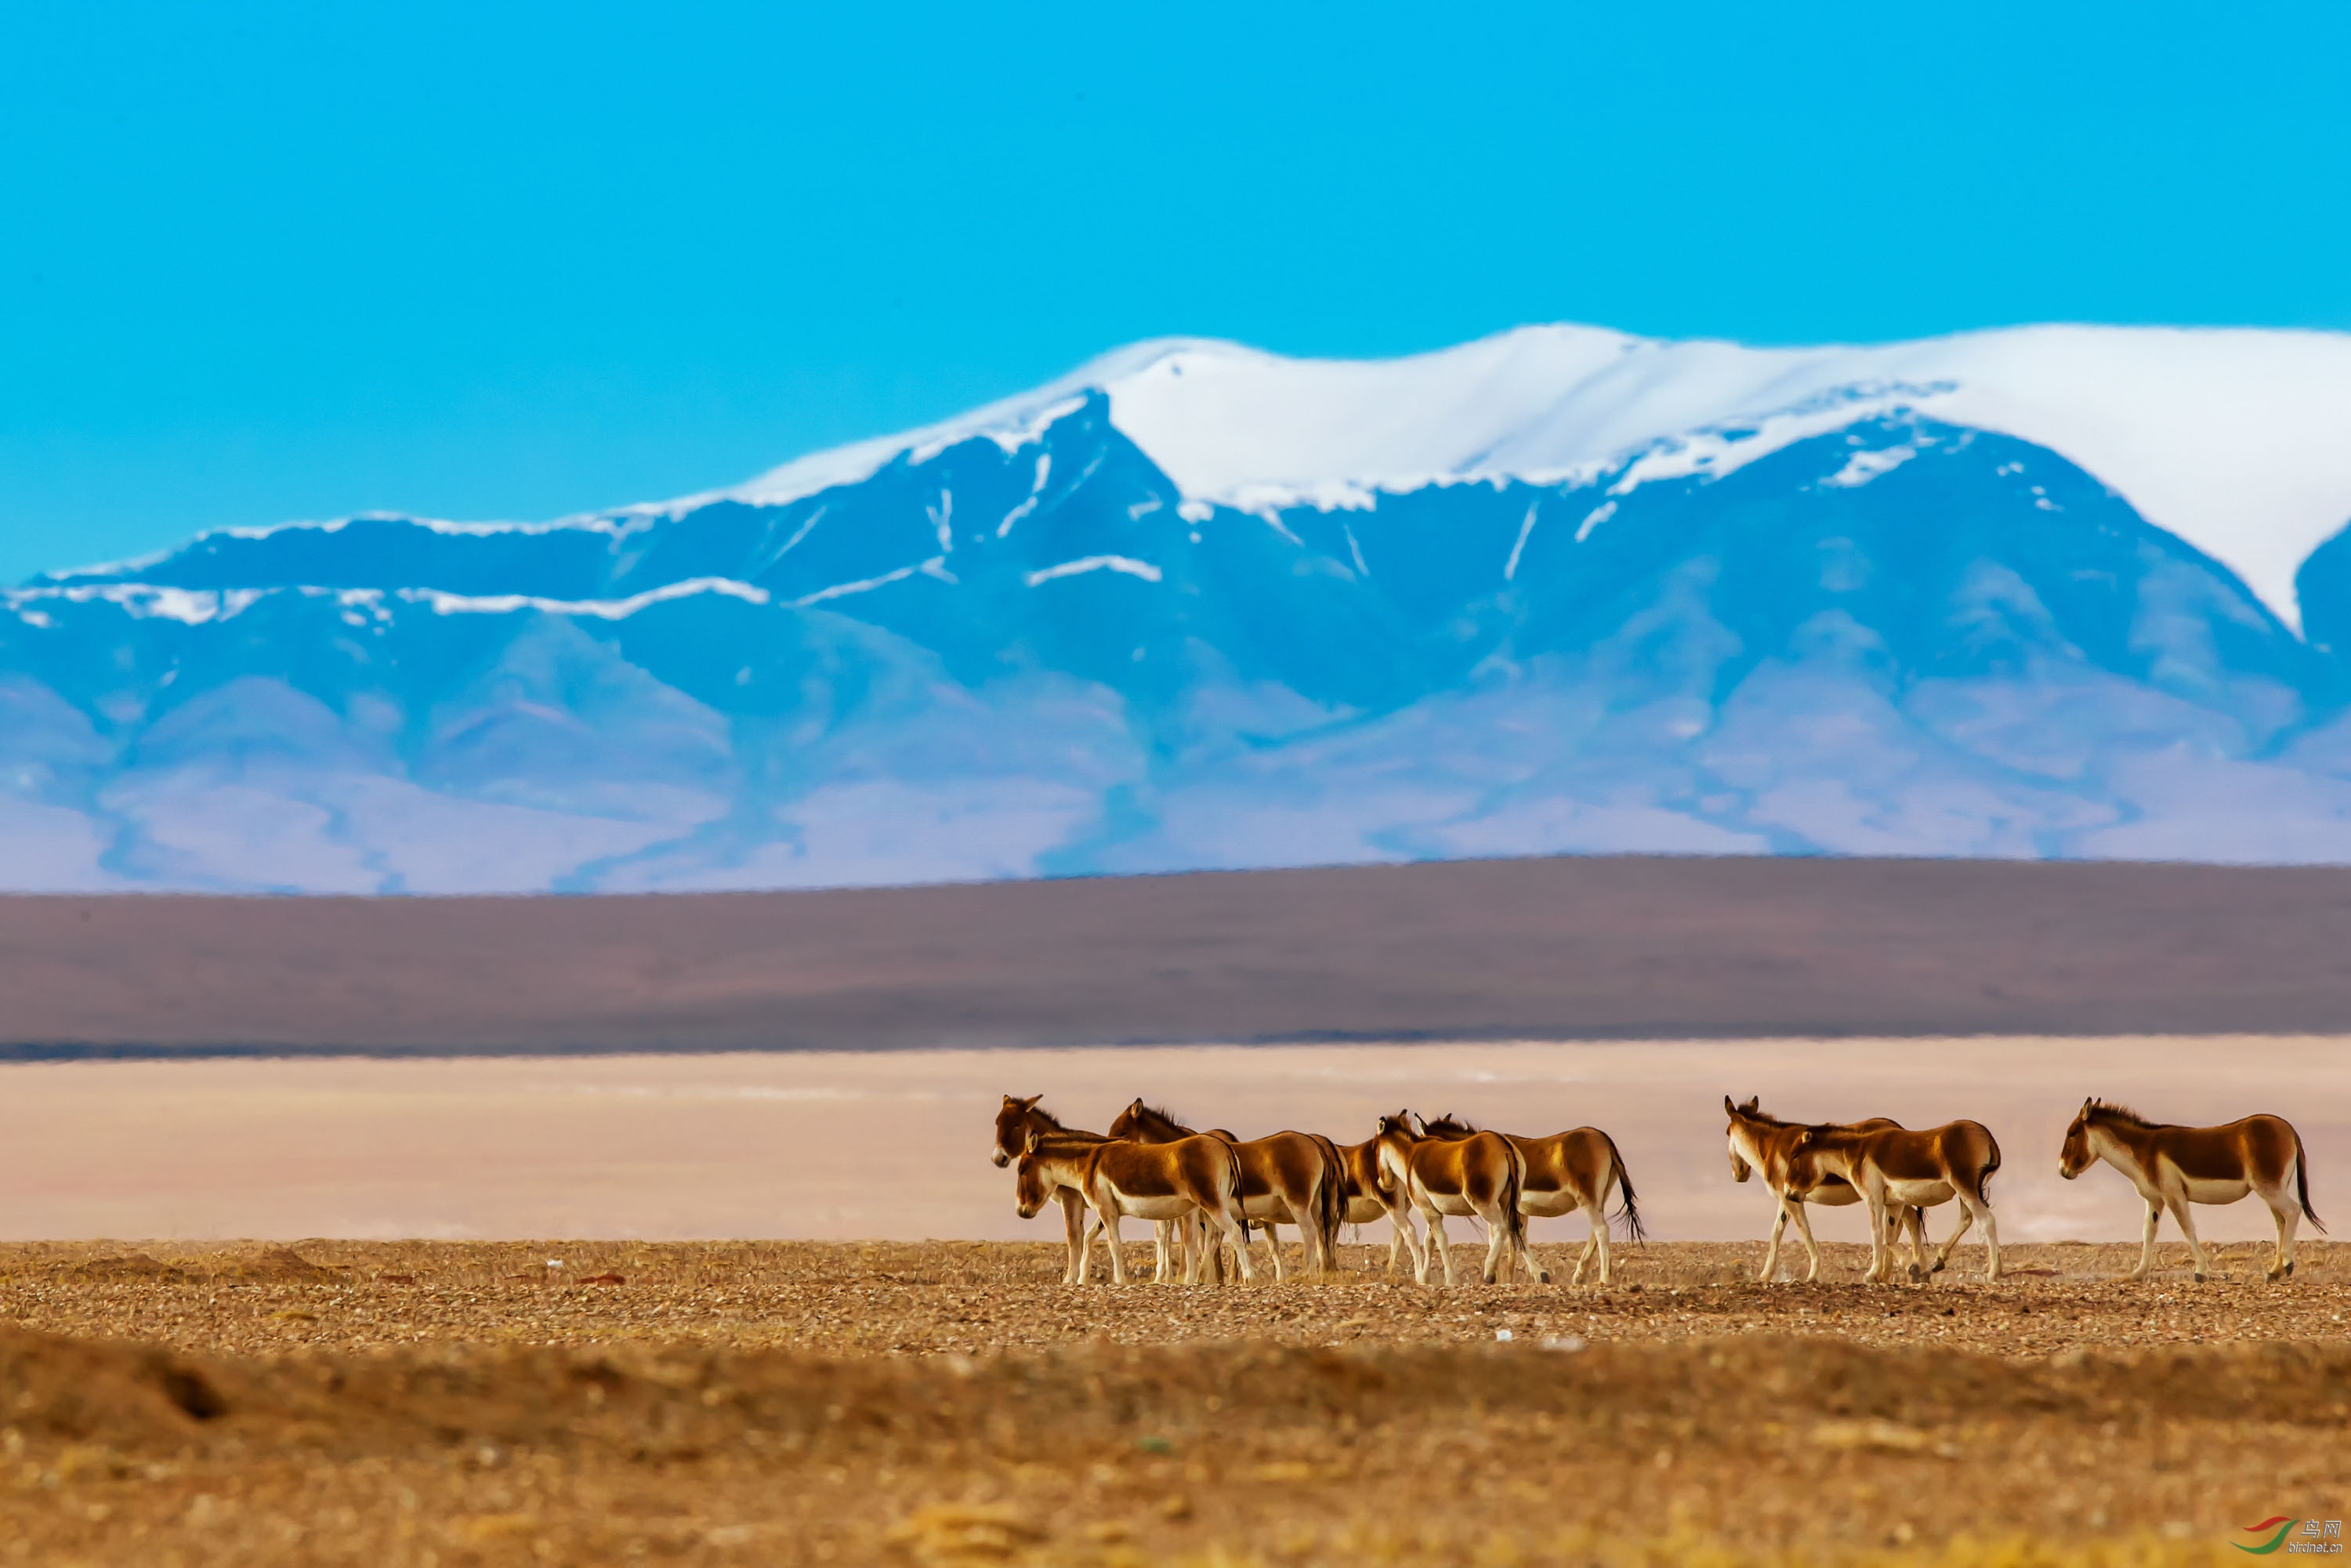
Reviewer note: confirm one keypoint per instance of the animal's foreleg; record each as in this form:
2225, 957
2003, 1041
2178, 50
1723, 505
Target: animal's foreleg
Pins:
1882, 1254
1804, 1233
1080, 1245
2147, 1239
1109, 1217
1437, 1244
1771, 1252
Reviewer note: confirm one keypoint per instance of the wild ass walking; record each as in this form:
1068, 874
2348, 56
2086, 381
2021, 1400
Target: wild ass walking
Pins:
1290, 1177
2174, 1166
1149, 1181
1888, 1166
1760, 1141
1567, 1173
1482, 1175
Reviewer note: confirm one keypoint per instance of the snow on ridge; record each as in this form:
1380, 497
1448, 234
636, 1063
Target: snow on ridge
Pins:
1118, 563
2238, 441
446, 603
195, 606
147, 600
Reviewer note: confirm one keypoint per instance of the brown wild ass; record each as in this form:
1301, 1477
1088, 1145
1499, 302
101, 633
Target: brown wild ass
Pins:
1480, 1174
1888, 1166
1567, 1173
1149, 1181
1762, 1141
1293, 1177
2174, 1167
1371, 1194
1013, 1122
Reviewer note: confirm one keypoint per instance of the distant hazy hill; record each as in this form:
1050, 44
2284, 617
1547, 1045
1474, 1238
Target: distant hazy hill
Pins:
2045, 592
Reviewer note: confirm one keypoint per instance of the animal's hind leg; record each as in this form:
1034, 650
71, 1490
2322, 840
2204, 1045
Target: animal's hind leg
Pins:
1812, 1248
1943, 1255
2195, 1263
1991, 1239
1598, 1210
2287, 1212
1497, 1247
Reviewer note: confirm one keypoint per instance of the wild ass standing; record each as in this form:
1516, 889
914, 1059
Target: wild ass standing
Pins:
1013, 1122
1149, 1181
1888, 1164
1762, 1141
1370, 1193
1567, 1173
1290, 1177
2174, 1167
1482, 1175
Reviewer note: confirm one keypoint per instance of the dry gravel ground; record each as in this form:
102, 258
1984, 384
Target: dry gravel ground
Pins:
422, 1403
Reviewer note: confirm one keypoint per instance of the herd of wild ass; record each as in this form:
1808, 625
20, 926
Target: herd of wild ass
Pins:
1208, 1187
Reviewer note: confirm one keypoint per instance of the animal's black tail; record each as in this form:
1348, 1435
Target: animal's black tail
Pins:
1331, 1208
1630, 1214
1514, 1224
2302, 1184
1233, 1161
1983, 1181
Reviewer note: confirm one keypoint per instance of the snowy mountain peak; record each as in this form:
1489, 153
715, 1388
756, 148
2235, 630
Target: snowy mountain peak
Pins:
2239, 441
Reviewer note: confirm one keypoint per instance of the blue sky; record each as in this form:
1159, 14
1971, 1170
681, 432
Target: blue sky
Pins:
297, 260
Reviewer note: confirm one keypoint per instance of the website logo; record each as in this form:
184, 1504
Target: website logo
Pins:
2323, 1536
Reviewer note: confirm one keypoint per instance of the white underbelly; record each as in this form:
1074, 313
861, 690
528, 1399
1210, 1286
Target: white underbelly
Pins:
1363, 1210
1924, 1194
1548, 1205
1268, 1207
1837, 1196
1153, 1207
1451, 1203
2215, 1191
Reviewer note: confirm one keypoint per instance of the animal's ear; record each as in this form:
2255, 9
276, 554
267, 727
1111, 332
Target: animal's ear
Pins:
1035, 1138
1728, 1108
1754, 1104
1030, 1104
1803, 1137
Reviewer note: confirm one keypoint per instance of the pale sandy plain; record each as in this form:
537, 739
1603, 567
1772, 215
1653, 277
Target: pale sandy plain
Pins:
784, 1145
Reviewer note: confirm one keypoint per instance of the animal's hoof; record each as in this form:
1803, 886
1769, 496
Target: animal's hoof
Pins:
2289, 1268
1915, 1274
2200, 1278
1937, 1267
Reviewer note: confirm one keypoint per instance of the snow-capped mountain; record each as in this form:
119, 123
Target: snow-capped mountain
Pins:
2053, 591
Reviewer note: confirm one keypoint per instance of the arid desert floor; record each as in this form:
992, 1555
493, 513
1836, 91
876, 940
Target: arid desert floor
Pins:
438, 1403
343, 1392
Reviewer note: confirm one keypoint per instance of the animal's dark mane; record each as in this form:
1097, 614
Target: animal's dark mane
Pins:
1163, 1114
1769, 1120
1047, 1117
2103, 1111
1440, 1126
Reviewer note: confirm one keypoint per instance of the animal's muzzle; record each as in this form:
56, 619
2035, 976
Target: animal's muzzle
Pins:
1001, 1159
